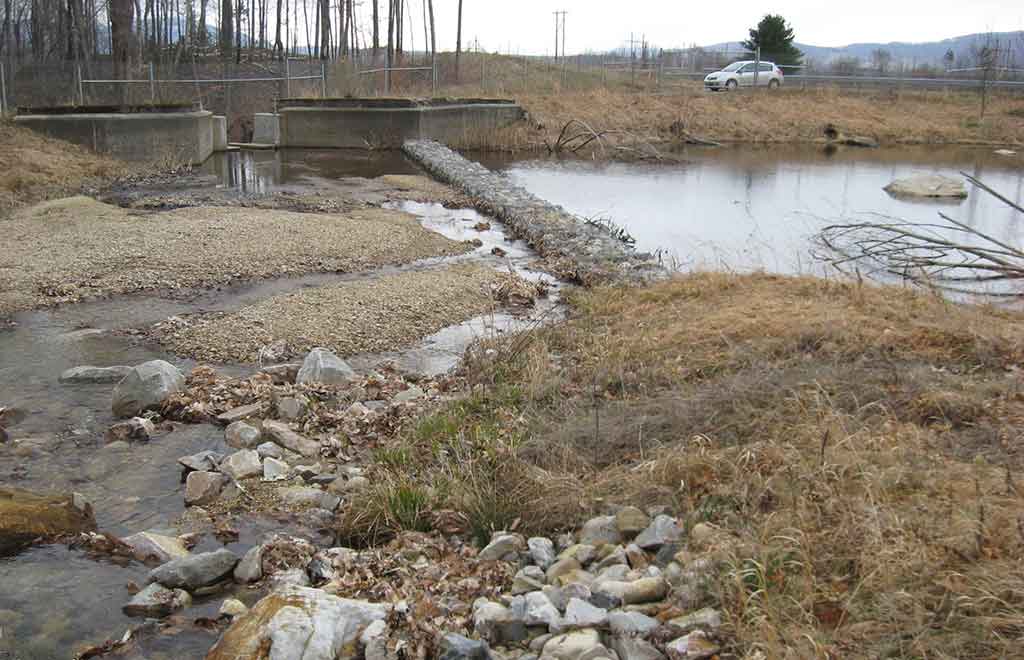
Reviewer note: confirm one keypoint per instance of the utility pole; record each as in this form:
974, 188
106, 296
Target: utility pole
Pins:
559, 16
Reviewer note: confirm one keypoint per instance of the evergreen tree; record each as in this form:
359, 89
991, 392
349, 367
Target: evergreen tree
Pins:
775, 39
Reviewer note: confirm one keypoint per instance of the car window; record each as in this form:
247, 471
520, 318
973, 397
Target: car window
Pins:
747, 69
765, 66
733, 67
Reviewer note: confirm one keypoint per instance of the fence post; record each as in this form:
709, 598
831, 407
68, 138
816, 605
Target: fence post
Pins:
287, 77
433, 74
81, 87
152, 85
3, 90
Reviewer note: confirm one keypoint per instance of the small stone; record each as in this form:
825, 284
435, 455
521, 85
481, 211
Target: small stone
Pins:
695, 646
632, 623
578, 576
195, 571
645, 590
243, 464
156, 602
270, 450
289, 439
203, 487
242, 435
136, 428
584, 553
324, 367
630, 521
232, 607
204, 461
281, 374
617, 557
542, 551
342, 485
663, 529
410, 394
292, 407
707, 619
275, 470
635, 648
599, 531
529, 578
240, 413
457, 647
581, 614
560, 568
306, 496
296, 577
636, 557
537, 610
95, 375
575, 645
495, 623
250, 568
152, 547
502, 546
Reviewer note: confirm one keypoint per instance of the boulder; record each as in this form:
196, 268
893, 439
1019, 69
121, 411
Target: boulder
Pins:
535, 609
270, 450
929, 186
157, 548
275, 470
599, 531
195, 571
25, 517
662, 530
635, 648
95, 375
502, 546
323, 367
146, 386
240, 413
203, 487
630, 521
576, 645
560, 568
542, 551
242, 435
204, 461
280, 433
232, 607
243, 464
157, 601
457, 647
581, 614
584, 553
529, 578
299, 623
250, 568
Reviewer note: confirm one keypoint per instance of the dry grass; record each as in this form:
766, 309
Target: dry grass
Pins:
34, 167
857, 449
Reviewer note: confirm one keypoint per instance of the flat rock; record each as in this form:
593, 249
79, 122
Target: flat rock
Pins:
581, 614
270, 450
622, 622
203, 487
153, 547
95, 375
243, 464
290, 408
561, 568
707, 619
298, 623
928, 185
242, 435
26, 517
275, 470
457, 647
205, 461
575, 645
323, 367
280, 433
535, 609
146, 386
281, 374
195, 571
240, 413
663, 529
527, 579
303, 496
644, 590
157, 601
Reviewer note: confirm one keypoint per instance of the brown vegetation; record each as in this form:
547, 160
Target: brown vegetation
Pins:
856, 448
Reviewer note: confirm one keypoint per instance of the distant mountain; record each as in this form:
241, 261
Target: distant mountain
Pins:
929, 52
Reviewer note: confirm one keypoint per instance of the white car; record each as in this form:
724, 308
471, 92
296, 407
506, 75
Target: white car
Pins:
743, 74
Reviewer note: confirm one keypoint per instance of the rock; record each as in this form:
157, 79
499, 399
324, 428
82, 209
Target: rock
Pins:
695, 646
502, 546
281, 374
617, 557
320, 570
348, 484
542, 551
410, 394
560, 568
240, 413
630, 521
152, 547
636, 557
663, 529
575, 645
25, 518
599, 531
307, 496
292, 407
156, 602
204, 461
309, 472
120, 445
232, 607
581, 614
195, 571
290, 577
707, 619
535, 609
634, 648
289, 439
324, 367
374, 640
242, 435
299, 623
584, 553
275, 470
203, 487
632, 623
95, 375
270, 450
644, 590
927, 185
496, 623
615, 572
250, 568
243, 464
137, 428
457, 647
578, 576
529, 578
146, 386
557, 596
1005, 152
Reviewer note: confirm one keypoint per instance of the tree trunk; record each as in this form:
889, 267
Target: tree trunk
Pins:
376, 28
325, 29
227, 20
433, 46
278, 46
458, 43
5, 46
391, 32
202, 36
121, 19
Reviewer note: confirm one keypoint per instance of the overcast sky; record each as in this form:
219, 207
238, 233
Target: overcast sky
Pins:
527, 26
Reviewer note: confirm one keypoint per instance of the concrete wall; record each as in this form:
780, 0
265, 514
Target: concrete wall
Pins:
172, 136
266, 128
363, 127
220, 133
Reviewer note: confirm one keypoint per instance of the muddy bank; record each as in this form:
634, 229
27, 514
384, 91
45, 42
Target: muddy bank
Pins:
77, 248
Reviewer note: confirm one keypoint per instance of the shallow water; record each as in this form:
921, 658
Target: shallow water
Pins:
756, 208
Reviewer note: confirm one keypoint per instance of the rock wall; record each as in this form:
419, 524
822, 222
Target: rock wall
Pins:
573, 249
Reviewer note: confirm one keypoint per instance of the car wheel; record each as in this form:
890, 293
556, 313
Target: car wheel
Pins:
731, 85
773, 84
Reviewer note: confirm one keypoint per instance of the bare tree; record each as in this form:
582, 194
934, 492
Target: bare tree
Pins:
122, 15
458, 43
376, 26
227, 20
986, 60
880, 59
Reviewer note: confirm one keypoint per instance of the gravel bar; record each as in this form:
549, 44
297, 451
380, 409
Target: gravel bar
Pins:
574, 249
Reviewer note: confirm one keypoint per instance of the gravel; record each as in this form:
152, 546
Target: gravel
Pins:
375, 315
77, 248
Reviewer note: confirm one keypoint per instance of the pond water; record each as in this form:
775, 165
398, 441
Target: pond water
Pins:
743, 208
